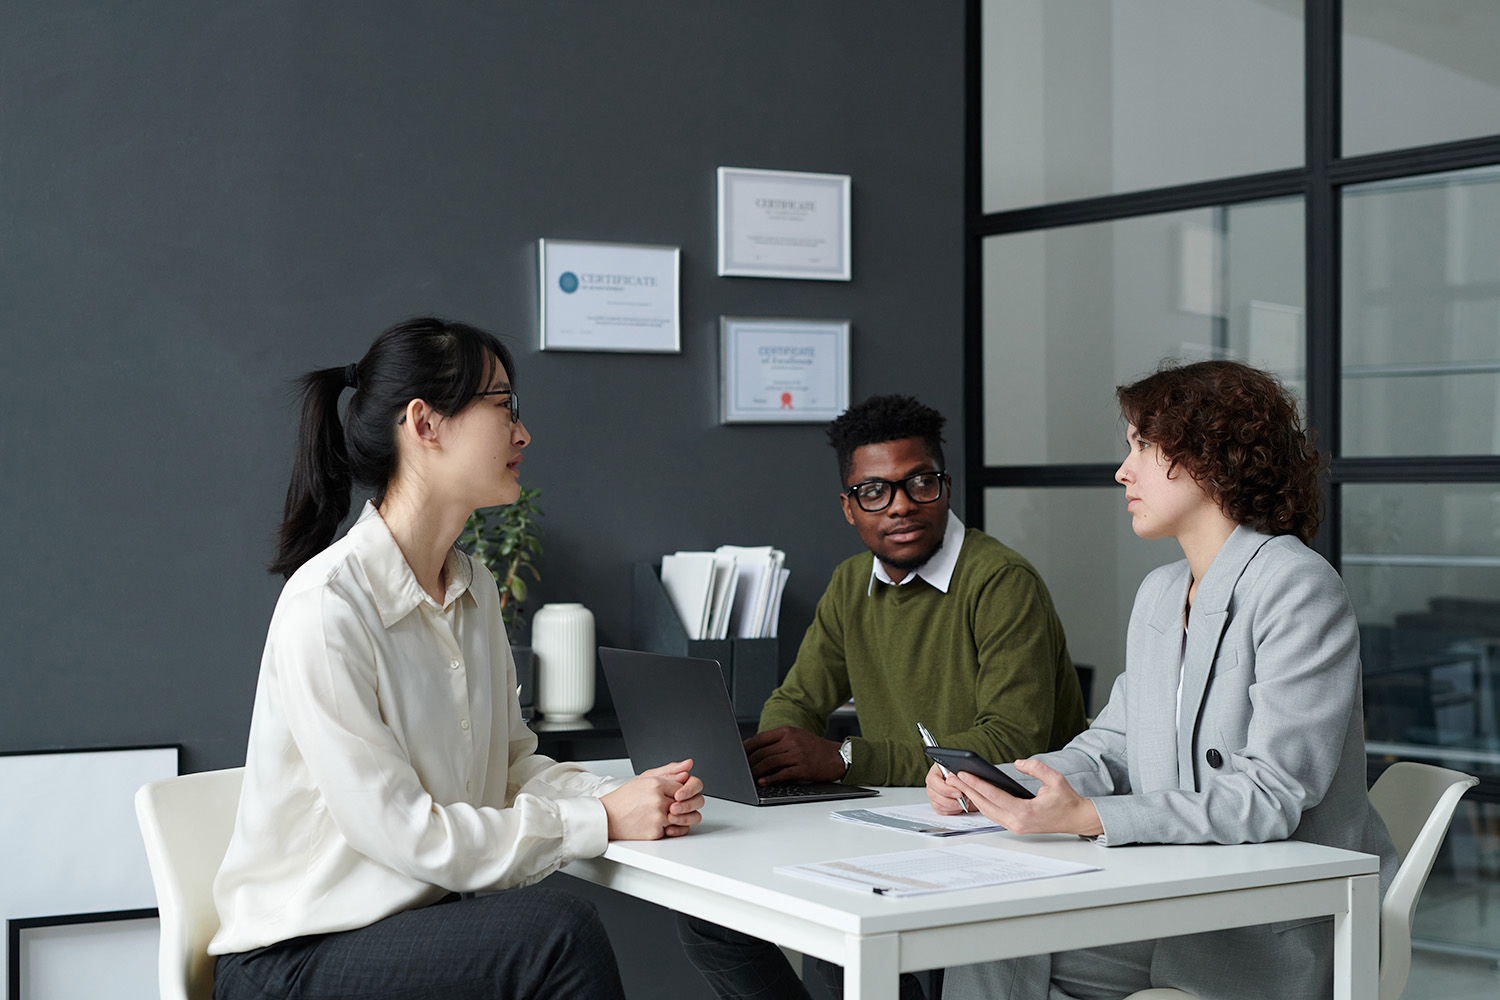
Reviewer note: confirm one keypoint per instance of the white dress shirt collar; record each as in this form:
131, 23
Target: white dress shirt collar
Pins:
938, 569
393, 585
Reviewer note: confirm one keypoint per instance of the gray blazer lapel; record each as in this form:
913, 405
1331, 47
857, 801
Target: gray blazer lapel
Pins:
1156, 688
1205, 629
1206, 624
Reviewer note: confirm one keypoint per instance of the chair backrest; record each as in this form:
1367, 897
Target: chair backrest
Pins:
1417, 802
186, 823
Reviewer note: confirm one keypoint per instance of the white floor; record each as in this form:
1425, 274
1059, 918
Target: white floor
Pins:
1465, 913
1451, 977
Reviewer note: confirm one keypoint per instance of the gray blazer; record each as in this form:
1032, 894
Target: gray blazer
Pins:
1268, 743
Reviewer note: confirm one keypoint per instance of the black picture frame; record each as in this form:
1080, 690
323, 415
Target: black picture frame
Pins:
16, 925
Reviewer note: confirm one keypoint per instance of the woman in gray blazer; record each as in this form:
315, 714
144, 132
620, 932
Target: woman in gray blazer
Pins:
1238, 718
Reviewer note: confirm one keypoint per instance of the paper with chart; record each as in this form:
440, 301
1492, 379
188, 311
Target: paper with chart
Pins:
937, 869
918, 819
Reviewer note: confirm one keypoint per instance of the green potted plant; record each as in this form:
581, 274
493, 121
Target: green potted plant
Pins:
506, 540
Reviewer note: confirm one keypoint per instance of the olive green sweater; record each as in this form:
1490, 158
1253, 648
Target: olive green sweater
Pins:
985, 666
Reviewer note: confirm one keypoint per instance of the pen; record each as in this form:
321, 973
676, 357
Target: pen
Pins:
927, 740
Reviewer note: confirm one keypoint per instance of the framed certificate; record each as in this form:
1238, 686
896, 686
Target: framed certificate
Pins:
609, 297
783, 224
779, 371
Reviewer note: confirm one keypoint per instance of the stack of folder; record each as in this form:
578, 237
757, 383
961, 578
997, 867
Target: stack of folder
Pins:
733, 591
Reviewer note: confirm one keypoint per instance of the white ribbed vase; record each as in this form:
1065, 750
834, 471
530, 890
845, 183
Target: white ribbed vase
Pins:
562, 640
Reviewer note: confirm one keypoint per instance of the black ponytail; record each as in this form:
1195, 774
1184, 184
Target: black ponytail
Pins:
441, 362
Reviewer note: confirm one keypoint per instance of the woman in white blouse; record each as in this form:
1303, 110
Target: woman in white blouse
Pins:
389, 774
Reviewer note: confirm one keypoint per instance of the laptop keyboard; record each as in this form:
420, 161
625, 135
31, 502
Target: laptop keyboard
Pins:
789, 791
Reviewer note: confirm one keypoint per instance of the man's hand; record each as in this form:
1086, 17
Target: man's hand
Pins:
661, 802
792, 754
1057, 808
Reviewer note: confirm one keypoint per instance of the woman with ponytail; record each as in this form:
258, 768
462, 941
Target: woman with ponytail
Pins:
389, 775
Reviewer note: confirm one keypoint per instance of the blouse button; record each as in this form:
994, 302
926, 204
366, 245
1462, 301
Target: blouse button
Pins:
1215, 759
463, 724
452, 664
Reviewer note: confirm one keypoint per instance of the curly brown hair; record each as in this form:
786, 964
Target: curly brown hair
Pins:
1236, 430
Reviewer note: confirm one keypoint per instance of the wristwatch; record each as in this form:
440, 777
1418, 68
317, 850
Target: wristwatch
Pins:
846, 751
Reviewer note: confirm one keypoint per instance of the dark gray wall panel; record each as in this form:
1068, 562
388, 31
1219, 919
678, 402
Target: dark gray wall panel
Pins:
201, 200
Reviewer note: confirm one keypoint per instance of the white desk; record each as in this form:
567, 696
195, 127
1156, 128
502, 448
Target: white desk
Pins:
723, 872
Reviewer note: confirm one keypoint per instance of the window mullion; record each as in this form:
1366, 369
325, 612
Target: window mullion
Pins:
1323, 76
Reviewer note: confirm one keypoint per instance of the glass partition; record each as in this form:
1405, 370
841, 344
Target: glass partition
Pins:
1080, 541
1418, 72
1094, 97
1070, 313
1422, 564
1421, 315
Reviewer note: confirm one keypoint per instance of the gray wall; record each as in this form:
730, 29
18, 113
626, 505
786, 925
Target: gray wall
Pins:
200, 200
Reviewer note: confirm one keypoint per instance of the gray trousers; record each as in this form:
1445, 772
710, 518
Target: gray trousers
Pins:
522, 943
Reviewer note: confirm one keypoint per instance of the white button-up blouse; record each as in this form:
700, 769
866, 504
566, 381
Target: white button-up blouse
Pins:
388, 764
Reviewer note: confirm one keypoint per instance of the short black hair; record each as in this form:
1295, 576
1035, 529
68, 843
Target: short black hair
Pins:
885, 418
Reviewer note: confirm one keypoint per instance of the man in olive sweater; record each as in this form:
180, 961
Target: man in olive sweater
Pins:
935, 624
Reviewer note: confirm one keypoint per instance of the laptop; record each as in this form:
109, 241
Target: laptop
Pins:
676, 707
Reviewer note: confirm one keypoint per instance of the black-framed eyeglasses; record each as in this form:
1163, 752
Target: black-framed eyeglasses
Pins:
515, 402
875, 495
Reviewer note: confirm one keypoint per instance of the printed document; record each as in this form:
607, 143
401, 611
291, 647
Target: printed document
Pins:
937, 869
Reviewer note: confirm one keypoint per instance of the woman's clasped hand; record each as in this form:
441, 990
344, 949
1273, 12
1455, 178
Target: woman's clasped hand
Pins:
661, 802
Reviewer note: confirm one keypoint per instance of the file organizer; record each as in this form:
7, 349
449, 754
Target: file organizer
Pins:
750, 665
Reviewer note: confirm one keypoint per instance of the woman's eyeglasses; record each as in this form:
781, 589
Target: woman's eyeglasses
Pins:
515, 402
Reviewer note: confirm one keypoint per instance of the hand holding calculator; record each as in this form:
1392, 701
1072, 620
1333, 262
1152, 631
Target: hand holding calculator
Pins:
968, 760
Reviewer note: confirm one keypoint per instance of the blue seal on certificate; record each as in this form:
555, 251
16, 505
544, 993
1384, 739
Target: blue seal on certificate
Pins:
568, 282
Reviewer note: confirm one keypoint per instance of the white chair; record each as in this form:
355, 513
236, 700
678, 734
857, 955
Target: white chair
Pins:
186, 823
1417, 802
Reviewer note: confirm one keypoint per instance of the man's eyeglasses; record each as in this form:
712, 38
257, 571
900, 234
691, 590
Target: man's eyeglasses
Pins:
875, 495
515, 402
